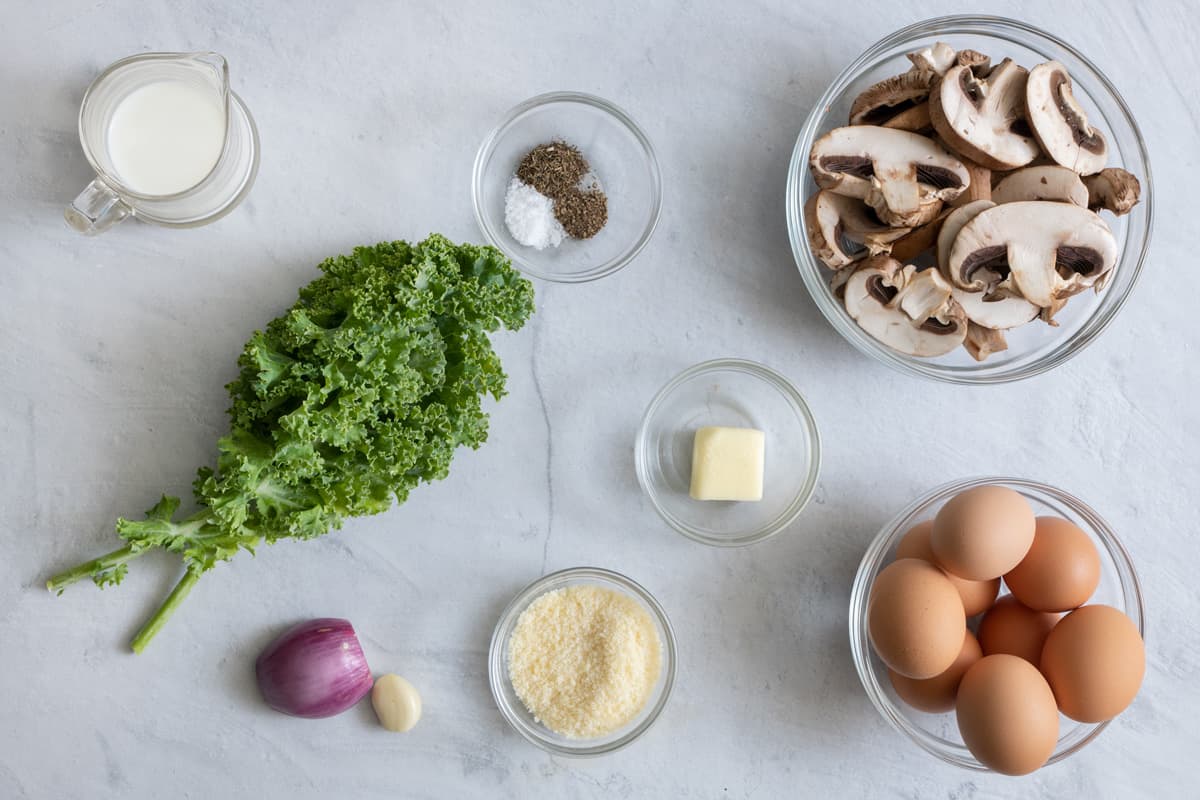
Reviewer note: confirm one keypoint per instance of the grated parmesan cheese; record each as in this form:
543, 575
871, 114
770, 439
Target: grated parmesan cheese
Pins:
584, 660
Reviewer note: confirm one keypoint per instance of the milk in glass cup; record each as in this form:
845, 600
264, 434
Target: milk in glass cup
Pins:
170, 143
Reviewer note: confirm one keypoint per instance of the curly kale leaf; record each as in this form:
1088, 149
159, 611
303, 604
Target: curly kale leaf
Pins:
358, 393
362, 390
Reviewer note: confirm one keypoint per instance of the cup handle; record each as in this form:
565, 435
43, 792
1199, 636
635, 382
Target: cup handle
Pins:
96, 209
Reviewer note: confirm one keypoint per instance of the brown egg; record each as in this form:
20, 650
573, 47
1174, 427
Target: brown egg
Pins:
982, 533
915, 618
1094, 660
1061, 569
937, 694
1011, 628
977, 596
1006, 714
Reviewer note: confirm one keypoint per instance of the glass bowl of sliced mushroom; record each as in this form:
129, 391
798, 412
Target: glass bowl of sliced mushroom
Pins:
970, 201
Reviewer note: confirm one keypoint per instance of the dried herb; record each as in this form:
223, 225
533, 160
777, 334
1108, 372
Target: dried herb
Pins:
582, 213
553, 169
556, 170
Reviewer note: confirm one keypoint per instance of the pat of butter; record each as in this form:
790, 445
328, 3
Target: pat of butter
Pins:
727, 464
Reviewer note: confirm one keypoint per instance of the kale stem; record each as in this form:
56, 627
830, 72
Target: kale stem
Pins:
164, 612
96, 566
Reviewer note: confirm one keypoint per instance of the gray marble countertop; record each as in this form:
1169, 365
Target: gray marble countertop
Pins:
115, 350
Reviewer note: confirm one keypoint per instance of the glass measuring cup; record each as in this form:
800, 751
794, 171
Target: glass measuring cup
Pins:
109, 198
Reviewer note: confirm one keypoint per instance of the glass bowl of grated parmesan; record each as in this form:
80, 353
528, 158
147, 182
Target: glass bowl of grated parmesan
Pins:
622, 164
582, 662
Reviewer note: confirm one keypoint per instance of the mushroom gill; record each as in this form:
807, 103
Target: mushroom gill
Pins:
938, 177
858, 166
1071, 261
993, 259
880, 290
1085, 136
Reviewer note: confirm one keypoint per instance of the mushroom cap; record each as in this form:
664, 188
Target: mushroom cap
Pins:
1053, 183
980, 63
899, 101
915, 119
882, 101
832, 221
909, 311
1114, 189
1060, 123
984, 119
919, 240
822, 222
902, 175
1043, 251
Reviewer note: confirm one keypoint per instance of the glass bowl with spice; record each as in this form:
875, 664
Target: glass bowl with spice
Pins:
568, 186
582, 662
1028, 349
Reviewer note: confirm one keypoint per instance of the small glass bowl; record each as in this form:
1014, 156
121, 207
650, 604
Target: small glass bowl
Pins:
620, 156
938, 733
739, 394
515, 712
1036, 347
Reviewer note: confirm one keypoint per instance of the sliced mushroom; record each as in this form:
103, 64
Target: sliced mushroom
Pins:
951, 227
823, 223
1060, 123
837, 283
902, 175
1042, 251
933, 60
915, 119
1047, 314
986, 308
995, 311
982, 342
918, 240
980, 187
900, 101
1055, 183
910, 311
1113, 189
883, 101
984, 118
979, 63
835, 222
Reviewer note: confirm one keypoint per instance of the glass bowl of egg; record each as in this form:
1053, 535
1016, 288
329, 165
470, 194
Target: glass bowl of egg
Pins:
1014, 348
936, 712
582, 662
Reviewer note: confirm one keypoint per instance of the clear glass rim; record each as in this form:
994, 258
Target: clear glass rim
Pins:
796, 400
810, 271
872, 559
116, 183
484, 154
498, 671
